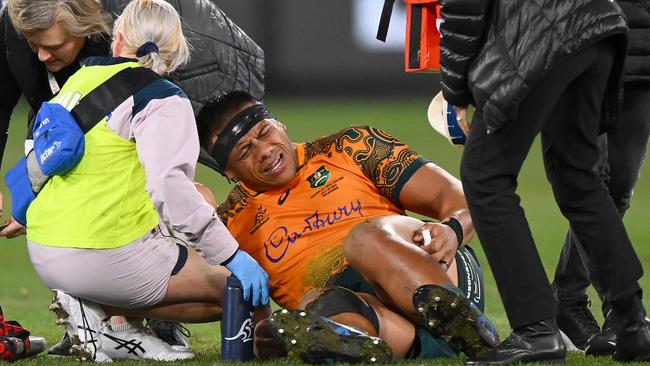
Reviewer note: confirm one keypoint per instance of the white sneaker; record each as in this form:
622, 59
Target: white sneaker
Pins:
172, 333
82, 321
131, 342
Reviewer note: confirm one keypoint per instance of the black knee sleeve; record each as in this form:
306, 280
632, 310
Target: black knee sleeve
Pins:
336, 300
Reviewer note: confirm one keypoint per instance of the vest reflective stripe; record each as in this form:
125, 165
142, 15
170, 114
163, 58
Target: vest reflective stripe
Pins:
102, 202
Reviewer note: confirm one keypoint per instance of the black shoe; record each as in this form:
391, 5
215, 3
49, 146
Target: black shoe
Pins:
317, 340
172, 333
576, 321
450, 316
633, 336
603, 343
537, 342
62, 348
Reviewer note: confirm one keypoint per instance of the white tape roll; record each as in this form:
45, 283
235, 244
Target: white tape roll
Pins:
426, 237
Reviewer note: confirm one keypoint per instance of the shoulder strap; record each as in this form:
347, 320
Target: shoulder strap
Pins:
386, 12
105, 98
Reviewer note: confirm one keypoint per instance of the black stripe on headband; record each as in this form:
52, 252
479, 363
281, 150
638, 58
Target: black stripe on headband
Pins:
237, 128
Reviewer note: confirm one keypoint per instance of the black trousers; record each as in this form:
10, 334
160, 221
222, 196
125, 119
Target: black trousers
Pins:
565, 106
623, 150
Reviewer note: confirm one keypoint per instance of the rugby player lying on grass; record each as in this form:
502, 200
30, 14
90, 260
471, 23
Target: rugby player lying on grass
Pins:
326, 219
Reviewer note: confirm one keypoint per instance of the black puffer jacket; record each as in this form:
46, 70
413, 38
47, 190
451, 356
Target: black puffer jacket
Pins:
637, 64
223, 58
494, 51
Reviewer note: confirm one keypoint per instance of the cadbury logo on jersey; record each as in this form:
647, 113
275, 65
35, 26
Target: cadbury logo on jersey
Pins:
278, 242
319, 178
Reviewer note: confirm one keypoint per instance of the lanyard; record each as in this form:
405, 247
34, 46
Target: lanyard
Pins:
54, 85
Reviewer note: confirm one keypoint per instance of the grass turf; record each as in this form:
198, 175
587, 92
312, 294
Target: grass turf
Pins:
23, 296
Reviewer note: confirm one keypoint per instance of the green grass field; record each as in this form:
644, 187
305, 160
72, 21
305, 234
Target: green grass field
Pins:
24, 297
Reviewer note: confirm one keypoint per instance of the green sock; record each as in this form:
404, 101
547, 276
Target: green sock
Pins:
425, 345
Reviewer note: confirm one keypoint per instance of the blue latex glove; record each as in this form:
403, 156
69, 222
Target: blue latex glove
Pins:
252, 277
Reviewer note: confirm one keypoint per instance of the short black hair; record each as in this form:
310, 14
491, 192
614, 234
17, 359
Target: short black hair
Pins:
217, 112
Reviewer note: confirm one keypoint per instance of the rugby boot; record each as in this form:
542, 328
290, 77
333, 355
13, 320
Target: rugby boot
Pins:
537, 342
82, 321
172, 333
604, 343
448, 315
317, 340
576, 321
62, 348
130, 341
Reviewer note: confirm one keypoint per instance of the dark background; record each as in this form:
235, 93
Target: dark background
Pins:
313, 48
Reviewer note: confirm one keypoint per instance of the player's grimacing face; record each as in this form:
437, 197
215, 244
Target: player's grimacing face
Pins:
264, 158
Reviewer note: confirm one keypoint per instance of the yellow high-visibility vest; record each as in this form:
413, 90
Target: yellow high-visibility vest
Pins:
102, 202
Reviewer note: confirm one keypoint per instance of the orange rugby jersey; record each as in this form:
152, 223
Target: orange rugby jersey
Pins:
296, 232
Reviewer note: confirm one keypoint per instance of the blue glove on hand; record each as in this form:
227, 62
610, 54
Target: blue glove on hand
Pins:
252, 277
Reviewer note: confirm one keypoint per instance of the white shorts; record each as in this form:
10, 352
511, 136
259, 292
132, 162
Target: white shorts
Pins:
135, 275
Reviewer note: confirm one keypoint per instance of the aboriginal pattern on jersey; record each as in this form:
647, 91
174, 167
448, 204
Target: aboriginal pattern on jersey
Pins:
382, 158
328, 262
236, 201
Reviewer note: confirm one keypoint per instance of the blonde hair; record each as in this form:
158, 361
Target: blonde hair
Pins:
82, 18
154, 21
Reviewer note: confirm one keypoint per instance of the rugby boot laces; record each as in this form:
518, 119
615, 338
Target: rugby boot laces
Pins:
537, 342
452, 317
317, 339
172, 333
131, 341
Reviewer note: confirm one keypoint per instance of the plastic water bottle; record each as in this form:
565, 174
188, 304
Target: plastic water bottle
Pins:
236, 324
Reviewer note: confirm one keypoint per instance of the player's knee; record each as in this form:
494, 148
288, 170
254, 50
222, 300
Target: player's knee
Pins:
337, 300
361, 239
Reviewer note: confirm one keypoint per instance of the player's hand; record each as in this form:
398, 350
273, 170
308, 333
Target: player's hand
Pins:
266, 342
12, 229
2, 204
461, 117
254, 280
443, 242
